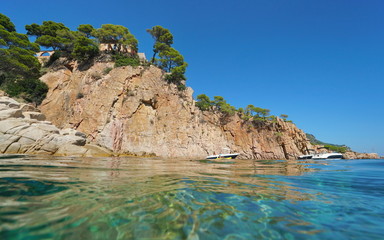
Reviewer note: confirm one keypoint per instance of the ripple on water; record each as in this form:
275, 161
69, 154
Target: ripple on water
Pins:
138, 198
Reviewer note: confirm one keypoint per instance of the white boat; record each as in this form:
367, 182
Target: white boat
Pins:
224, 156
318, 156
308, 156
328, 156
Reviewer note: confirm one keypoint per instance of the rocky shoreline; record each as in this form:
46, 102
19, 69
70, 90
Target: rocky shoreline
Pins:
133, 111
23, 129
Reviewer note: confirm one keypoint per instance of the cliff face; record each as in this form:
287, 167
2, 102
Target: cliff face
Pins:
133, 110
24, 130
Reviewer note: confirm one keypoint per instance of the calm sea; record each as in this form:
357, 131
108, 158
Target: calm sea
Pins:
141, 198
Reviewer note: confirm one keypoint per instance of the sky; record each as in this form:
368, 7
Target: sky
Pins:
321, 62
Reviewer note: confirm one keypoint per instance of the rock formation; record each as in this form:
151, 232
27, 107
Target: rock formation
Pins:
23, 129
356, 155
134, 111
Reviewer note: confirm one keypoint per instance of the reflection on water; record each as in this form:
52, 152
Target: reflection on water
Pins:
141, 198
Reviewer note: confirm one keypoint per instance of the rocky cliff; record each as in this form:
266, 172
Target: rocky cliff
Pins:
134, 111
23, 129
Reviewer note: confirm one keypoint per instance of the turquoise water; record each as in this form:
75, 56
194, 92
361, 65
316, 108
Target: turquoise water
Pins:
140, 198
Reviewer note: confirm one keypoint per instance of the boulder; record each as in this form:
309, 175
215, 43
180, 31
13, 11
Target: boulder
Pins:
10, 113
34, 115
24, 130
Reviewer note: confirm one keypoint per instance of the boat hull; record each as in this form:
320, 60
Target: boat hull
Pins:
223, 156
322, 156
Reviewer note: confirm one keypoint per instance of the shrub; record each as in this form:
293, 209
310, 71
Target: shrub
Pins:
79, 95
181, 87
96, 75
203, 102
31, 90
340, 149
122, 60
107, 70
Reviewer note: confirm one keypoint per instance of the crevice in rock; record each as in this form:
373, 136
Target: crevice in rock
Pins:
76, 125
14, 141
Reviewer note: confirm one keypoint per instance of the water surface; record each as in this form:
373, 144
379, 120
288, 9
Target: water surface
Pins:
141, 198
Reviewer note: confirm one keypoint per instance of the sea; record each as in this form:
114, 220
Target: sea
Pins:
44, 197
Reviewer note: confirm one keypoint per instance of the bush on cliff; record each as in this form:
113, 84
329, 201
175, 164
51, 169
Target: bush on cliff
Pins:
204, 103
256, 115
124, 60
32, 90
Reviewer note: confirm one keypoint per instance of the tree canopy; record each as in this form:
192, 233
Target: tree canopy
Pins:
250, 113
170, 60
204, 103
6, 23
115, 34
86, 29
19, 68
16, 52
50, 34
163, 39
57, 36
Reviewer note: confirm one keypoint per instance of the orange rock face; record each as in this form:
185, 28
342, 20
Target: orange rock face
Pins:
134, 111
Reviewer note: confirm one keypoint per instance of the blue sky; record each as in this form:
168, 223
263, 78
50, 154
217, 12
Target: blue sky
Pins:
319, 61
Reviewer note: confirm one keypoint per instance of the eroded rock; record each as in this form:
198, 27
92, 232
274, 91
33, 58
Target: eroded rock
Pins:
24, 130
134, 110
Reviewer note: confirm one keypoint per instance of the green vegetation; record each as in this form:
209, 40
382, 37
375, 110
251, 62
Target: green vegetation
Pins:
330, 146
115, 35
84, 49
83, 44
170, 60
251, 113
19, 68
340, 149
123, 60
163, 40
256, 113
50, 34
204, 103
107, 70
67, 43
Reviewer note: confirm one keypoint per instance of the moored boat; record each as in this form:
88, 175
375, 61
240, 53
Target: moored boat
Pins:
308, 156
319, 156
224, 156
